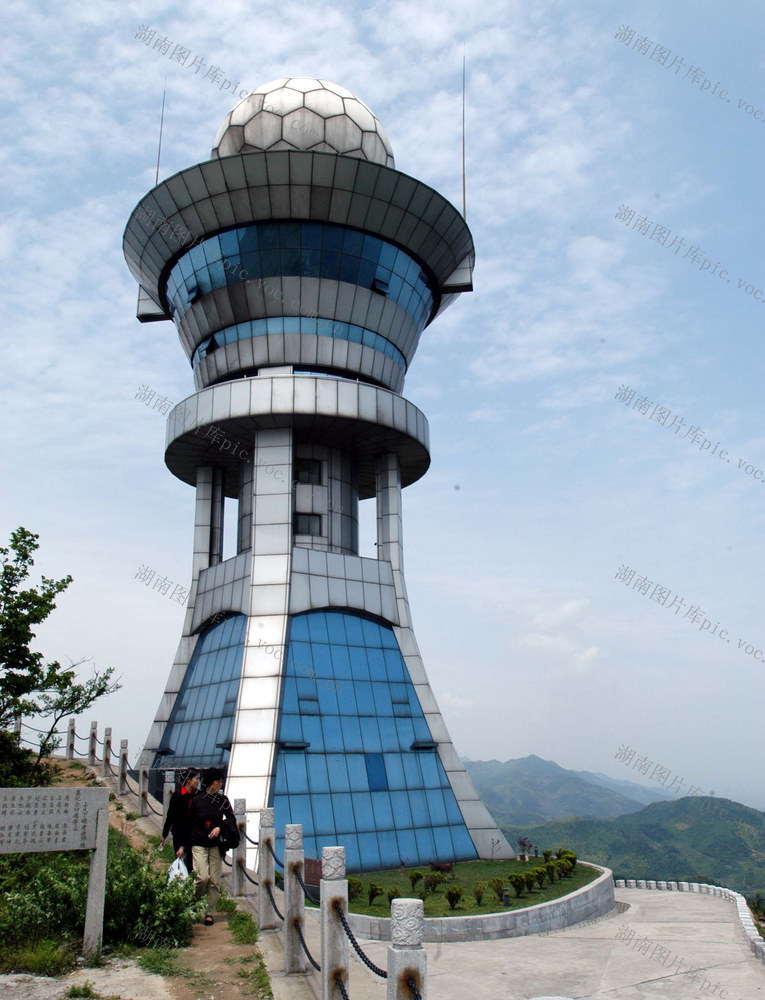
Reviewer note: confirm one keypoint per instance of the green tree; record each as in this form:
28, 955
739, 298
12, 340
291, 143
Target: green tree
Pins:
29, 685
518, 882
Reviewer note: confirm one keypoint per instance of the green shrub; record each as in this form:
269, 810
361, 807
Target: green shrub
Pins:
530, 879
414, 878
83, 992
540, 876
518, 882
355, 887
432, 880
478, 890
550, 869
374, 891
498, 887
393, 893
130, 816
547, 855
453, 895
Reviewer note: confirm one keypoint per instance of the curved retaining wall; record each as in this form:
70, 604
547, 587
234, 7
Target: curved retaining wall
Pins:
593, 900
748, 929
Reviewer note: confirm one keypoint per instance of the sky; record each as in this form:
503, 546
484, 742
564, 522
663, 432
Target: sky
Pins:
584, 557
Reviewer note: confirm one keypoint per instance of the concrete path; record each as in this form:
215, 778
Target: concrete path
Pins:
696, 937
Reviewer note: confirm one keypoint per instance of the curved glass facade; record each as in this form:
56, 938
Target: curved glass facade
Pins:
203, 713
346, 768
299, 324
306, 249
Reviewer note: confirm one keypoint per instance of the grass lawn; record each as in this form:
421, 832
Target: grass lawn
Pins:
465, 875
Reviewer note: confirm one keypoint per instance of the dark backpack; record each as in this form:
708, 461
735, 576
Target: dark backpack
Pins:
229, 831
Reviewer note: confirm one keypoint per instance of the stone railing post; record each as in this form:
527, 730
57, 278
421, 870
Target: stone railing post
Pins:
107, 752
17, 723
93, 743
407, 959
70, 740
266, 915
239, 854
143, 782
294, 900
334, 943
168, 787
122, 786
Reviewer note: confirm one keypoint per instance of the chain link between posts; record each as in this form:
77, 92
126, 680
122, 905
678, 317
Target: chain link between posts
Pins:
273, 901
341, 985
299, 877
416, 995
273, 853
356, 947
244, 872
297, 925
157, 812
250, 840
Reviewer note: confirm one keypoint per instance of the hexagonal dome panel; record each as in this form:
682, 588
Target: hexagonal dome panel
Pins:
303, 113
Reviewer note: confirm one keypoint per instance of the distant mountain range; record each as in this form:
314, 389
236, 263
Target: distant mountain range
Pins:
690, 839
530, 791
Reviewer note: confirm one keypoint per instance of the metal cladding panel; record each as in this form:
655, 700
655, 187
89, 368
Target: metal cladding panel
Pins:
202, 200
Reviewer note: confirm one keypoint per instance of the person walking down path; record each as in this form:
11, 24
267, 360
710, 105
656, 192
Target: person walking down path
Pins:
206, 818
177, 820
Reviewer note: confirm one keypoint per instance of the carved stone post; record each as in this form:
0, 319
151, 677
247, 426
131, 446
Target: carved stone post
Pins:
107, 752
334, 941
407, 959
93, 743
143, 806
294, 900
70, 740
122, 786
239, 854
266, 916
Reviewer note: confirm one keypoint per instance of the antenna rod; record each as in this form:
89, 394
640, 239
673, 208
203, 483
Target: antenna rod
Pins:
161, 123
464, 201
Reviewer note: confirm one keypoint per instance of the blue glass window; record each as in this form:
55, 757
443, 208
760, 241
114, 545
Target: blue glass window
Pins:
360, 784
308, 249
203, 713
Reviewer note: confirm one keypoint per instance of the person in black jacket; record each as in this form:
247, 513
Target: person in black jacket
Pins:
177, 819
206, 818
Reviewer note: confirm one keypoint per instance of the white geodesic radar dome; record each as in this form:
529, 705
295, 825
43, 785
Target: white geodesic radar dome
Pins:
307, 114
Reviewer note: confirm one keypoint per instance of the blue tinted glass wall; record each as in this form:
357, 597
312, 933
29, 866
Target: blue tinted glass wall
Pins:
348, 696
306, 249
203, 714
299, 324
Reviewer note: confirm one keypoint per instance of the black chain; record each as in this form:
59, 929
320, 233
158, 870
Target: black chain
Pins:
244, 872
155, 811
227, 862
368, 962
273, 901
99, 742
413, 989
273, 854
299, 877
299, 929
341, 985
115, 774
127, 782
43, 732
78, 737
253, 842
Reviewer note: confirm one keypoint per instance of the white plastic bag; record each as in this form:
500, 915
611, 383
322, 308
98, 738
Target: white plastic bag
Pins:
177, 870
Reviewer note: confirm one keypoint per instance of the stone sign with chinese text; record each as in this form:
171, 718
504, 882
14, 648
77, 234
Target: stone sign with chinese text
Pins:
49, 819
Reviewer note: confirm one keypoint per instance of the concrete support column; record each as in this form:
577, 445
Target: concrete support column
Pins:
107, 752
390, 540
244, 514
122, 782
93, 744
239, 854
167, 790
217, 501
294, 900
334, 941
266, 916
143, 783
70, 740
407, 959
203, 520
